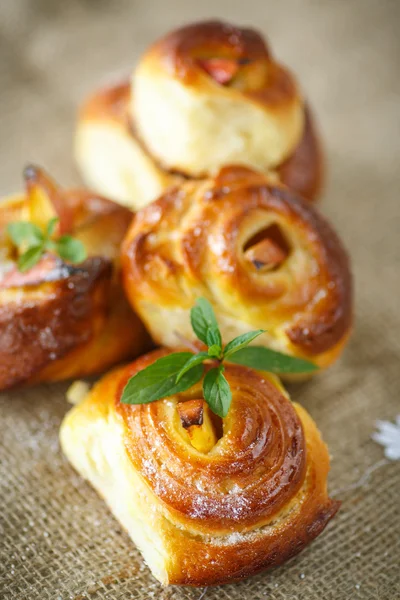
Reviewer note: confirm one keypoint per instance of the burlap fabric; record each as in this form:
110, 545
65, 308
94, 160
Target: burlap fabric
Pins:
58, 540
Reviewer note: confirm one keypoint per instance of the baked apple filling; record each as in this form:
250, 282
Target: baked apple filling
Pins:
267, 249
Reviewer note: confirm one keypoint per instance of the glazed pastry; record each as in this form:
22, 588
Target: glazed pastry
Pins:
263, 257
204, 96
59, 320
211, 514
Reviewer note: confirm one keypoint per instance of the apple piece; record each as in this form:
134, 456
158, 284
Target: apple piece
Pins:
197, 424
191, 413
265, 255
45, 201
222, 70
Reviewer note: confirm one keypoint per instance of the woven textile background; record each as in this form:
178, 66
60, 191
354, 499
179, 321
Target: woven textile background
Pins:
57, 538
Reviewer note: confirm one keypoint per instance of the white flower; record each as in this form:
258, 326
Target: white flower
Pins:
388, 436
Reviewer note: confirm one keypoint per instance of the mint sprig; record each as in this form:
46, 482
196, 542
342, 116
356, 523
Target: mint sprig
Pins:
179, 371
217, 391
36, 242
159, 380
258, 357
205, 324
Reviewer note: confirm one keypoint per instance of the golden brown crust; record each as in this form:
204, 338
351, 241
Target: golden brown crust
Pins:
192, 242
256, 499
53, 317
239, 561
183, 46
111, 103
263, 453
68, 311
121, 337
182, 50
303, 171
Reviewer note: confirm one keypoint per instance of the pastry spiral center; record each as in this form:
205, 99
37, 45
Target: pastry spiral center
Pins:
241, 479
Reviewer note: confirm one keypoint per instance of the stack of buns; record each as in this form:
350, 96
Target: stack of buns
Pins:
214, 144
205, 96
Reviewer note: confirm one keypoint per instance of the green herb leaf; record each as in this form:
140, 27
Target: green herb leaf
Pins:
24, 232
180, 371
241, 341
265, 359
217, 392
214, 338
215, 351
50, 245
71, 249
204, 323
51, 225
195, 359
159, 379
30, 258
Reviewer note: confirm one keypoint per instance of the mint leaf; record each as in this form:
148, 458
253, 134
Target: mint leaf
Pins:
195, 359
30, 258
159, 379
180, 371
213, 338
204, 323
241, 341
166, 366
265, 359
50, 245
215, 351
23, 231
217, 392
71, 249
51, 225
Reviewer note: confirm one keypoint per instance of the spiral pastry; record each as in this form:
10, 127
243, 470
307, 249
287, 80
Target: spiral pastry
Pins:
264, 258
248, 502
204, 96
59, 320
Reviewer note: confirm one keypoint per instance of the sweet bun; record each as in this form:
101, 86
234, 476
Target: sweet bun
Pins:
194, 123
262, 256
200, 517
112, 159
59, 320
205, 96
